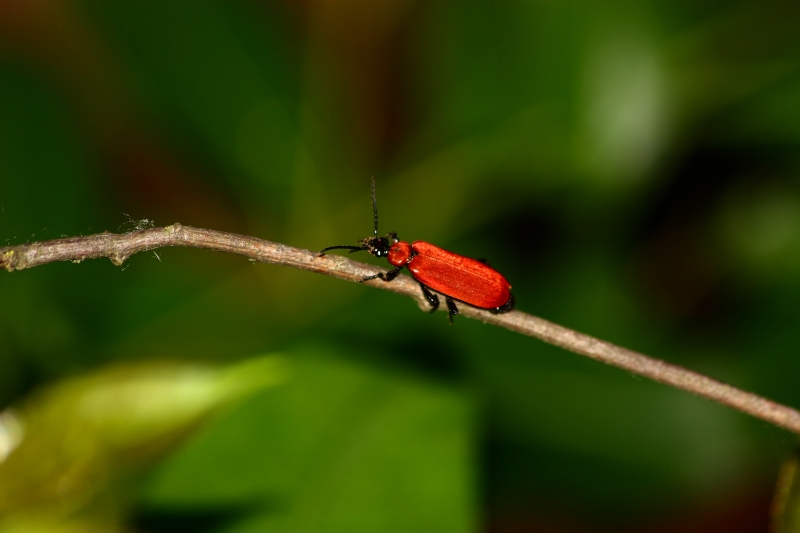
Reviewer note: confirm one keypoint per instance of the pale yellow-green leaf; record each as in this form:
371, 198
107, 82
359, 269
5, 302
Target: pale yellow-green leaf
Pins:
67, 448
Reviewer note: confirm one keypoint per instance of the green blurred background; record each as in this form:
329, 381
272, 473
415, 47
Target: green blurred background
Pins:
633, 168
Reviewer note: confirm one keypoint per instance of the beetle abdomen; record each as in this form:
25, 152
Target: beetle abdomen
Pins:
459, 277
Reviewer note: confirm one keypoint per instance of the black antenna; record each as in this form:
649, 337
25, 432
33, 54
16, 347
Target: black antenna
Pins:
344, 247
364, 243
374, 206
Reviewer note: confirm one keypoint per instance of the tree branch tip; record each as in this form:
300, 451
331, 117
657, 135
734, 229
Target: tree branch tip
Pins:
7, 260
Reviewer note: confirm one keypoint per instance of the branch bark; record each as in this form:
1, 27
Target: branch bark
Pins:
119, 247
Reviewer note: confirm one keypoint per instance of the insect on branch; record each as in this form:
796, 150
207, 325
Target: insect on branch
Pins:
119, 247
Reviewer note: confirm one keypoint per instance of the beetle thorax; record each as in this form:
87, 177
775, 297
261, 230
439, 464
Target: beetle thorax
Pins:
400, 254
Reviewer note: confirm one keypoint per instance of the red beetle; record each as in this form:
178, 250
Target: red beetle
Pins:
459, 278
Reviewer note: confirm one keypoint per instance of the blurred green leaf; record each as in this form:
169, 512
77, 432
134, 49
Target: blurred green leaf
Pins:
70, 445
342, 447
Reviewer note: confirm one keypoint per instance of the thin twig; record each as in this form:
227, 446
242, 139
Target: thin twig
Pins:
119, 247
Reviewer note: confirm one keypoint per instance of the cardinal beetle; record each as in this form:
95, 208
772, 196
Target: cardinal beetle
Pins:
470, 281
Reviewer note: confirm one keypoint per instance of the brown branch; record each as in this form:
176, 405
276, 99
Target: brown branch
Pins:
118, 247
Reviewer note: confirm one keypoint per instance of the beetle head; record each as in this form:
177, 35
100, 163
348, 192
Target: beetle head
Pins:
379, 246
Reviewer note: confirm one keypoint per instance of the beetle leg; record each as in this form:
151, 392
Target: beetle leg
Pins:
484, 261
388, 276
452, 310
432, 298
505, 308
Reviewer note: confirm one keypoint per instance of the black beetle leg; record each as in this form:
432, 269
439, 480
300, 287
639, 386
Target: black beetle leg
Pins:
506, 307
452, 310
432, 298
388, 276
